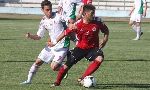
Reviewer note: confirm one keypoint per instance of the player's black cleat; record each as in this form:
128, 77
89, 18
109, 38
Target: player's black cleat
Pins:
141, 34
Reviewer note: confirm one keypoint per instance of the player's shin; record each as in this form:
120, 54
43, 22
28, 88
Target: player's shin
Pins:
94, 65
61, 73
138, 32
134, 28
32, 72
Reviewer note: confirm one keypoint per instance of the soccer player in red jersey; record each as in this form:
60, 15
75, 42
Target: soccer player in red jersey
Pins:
88, 46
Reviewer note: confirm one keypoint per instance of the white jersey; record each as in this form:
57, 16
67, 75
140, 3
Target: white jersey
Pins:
139, 6
55, 28
69, 8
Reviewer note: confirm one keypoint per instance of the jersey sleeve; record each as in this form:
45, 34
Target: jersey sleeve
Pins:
103, 27
101, 24
67, 31
41, 30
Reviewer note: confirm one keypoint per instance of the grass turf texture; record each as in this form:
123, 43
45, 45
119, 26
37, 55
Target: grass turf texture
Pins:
126, 65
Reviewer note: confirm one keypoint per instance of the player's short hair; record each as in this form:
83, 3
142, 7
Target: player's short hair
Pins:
88, 7
46, 3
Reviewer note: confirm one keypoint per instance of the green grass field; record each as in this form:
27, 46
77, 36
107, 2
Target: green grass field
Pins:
126, 65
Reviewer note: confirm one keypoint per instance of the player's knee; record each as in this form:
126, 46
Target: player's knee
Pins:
138, 24
65, 66
38, 62
55, 66
100, 59
130, 24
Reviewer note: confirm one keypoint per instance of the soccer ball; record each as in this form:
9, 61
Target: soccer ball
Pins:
89, 81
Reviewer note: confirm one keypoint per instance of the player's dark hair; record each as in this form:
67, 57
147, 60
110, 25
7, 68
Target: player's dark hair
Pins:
88, 7
46, 3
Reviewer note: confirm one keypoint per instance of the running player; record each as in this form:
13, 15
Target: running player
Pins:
136, 14
54, 55
88, 46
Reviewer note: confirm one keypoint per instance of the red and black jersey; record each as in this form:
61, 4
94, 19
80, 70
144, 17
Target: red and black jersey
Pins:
88, 34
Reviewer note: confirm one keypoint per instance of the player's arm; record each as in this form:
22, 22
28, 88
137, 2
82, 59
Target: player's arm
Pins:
40, 32
48, 41
60, 37
104, 40
132, 9
80, 12
67, 32
34, 37
145, 9
59, 9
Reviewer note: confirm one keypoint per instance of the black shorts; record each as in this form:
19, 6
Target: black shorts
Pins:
75, 55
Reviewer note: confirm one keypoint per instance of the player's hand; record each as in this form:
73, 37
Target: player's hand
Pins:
59, 10
27, 35
72, 26
50, 44
79, 16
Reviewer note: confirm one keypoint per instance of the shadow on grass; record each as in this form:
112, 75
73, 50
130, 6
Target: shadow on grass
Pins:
132, 60
7, 39
16, 61
17, 19
112, 86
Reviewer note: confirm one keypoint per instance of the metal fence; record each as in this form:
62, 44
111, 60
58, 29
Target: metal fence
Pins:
108, 8
100, 4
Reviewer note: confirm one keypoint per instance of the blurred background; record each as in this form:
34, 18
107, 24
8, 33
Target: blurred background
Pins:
105, 8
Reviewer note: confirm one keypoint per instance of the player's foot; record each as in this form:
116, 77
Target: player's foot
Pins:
65, 77
26, 82
54, 84
80, 81
136, 39
141, 34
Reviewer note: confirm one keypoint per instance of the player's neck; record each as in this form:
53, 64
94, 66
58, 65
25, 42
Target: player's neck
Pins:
86, 21
48, 17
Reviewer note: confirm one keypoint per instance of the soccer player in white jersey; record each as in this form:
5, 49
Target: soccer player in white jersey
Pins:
136, 14
68, 9
51, 55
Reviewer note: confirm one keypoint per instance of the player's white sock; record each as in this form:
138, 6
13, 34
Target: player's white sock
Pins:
138, 32
32, 72
134, 28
